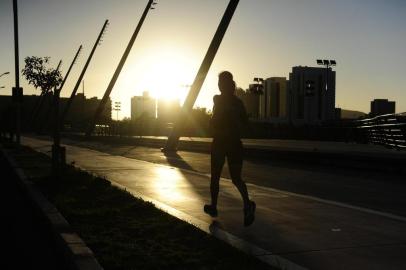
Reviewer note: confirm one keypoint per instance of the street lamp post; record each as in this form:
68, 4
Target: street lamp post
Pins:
328, 64
17, 90
2, 87
258, 86
258, 89
117, 108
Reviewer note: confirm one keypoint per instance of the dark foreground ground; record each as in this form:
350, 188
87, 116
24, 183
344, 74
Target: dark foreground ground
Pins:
122, 231
26, 245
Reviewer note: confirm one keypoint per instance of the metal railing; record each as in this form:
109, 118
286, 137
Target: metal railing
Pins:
388, 130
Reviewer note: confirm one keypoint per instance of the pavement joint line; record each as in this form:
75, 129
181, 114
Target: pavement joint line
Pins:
335, 203
245, 246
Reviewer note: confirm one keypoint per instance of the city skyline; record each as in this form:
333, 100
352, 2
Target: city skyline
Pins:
265, 39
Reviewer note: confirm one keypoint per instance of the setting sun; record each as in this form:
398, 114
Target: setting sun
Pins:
167, 74
203, 134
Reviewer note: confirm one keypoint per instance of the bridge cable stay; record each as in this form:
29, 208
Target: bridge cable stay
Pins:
117, 72
82, 74
58, 90
173, 139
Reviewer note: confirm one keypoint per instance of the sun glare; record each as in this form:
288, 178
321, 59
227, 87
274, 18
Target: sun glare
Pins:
171, 185
168, 75
165, 72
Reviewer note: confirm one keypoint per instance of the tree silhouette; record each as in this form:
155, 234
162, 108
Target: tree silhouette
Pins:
48, 80
39, 75
256, 89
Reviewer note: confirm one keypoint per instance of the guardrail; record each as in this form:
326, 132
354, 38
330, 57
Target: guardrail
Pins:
388, 130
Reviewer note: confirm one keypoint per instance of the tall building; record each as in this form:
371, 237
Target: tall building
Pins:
143, 106
310, 102
273, 103
382, 106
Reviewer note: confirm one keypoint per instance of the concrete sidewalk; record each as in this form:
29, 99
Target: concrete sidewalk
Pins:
290, 230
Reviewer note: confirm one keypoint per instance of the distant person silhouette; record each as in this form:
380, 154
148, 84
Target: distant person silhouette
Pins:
228, 120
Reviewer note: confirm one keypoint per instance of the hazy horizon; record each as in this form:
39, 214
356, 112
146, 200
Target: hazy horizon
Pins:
265, 39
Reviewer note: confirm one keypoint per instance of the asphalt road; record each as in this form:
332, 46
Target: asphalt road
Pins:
370, 189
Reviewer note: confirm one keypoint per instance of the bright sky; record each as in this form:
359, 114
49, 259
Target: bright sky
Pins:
265, 38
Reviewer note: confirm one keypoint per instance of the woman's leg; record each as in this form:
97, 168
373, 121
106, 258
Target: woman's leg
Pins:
235, 161
217, 163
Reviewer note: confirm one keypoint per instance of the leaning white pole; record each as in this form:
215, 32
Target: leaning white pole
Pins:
173, 139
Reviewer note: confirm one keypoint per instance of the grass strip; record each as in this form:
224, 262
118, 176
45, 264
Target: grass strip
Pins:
125, 232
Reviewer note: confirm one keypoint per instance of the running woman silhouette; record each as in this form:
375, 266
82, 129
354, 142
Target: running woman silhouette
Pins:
226, 125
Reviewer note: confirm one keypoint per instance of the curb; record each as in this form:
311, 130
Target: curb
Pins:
74, 250
269, 258
246, 247
351, 160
